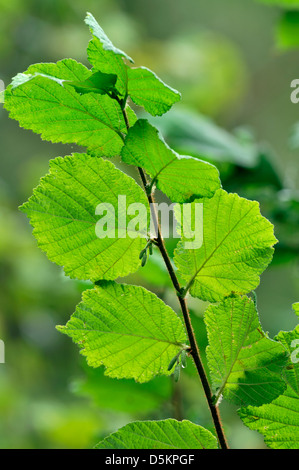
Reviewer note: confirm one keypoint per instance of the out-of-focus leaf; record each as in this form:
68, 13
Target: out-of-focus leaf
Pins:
127, 397
288, 30
197, 135
282, 3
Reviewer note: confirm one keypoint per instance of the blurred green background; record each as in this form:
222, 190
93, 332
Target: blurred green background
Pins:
233, 62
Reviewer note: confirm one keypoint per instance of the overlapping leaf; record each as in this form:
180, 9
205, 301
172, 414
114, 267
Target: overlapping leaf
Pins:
279, 421
149, 91
245, 365
62, 212
166, 434
180, 178
55, 110
237, 248
127, 329
98, 82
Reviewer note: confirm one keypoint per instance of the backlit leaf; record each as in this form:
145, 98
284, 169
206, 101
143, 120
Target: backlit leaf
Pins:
245, 365
148, 90
180, 178
166, 434
98, 32
279, 421
127, 329
54, 109
62, 211
236, 249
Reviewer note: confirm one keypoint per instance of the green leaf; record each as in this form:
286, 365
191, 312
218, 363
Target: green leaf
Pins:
288, 30
108, 62
98, 82
59, 114
105, 57
245, 365
279, 421
62, 210
237, 248
166, 434
98, 32
147, 90
127, 329
180, 178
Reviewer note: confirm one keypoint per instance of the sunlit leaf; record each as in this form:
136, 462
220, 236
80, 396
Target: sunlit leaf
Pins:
98, 32
236, 249
54, 109
62, 211
279, 421
148, 90
166, 434
245, 365
180, 178
127, 329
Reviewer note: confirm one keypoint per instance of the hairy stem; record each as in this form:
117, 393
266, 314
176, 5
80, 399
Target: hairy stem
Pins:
183, 303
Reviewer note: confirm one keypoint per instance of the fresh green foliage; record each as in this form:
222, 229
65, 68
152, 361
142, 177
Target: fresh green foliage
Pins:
245, 365
180, 178
140, 83
126, 328
167, 434
279, 421
60, 114
62, 211
106, 61
147, 90
237, 248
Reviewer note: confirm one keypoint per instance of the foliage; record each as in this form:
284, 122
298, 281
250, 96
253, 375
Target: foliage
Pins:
127, 328
279, 421
168, 434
